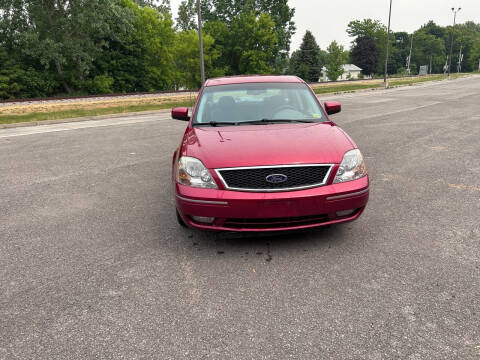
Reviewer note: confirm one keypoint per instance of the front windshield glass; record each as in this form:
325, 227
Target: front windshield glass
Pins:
263, 102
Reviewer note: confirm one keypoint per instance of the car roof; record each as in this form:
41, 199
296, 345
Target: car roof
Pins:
253, 79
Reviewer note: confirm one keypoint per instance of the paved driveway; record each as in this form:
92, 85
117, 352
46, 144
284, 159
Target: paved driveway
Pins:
93, 264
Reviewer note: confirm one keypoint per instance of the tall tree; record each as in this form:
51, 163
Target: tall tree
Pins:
474, 58
65, 34
296, 67
187, 60
335, 60
433, 29
400, 50
19, 79
373, 29
307, 62
365, 55
162, 5
252, 44
426, 46
187, 14
246, 44
366, 28
140, 60
467, 35
227, 11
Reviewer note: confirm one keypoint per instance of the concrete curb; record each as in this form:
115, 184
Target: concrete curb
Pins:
87, 118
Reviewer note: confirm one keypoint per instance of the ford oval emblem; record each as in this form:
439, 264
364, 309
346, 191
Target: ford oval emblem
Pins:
276, 178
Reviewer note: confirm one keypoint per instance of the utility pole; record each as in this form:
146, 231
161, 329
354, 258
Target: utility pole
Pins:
460, 59
451, 43
410, 55
200, 39
388, 44
430, 68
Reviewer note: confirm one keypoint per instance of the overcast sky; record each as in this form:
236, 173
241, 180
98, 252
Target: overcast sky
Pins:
328, 19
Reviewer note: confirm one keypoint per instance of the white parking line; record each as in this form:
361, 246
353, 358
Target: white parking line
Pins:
40, 129
385, 114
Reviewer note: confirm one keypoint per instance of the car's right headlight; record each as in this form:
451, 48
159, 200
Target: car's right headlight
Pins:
351, 168
192, 172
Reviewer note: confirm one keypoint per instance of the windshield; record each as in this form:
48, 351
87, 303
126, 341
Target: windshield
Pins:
235, 104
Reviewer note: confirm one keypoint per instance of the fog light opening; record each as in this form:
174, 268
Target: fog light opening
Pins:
344, 213
203, 219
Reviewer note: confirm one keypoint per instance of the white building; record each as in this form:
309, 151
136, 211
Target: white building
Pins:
350, 72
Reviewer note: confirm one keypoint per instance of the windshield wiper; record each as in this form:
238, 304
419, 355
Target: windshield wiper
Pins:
273, 121
264, 121
216, 123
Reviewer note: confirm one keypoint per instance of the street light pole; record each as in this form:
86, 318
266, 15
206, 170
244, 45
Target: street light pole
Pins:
451, 43
200, 40
388, 44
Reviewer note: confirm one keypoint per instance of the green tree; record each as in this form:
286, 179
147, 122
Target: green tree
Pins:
246, 45
164, 5
296, 67
433, 29
187, 60
373, 29
426, 46
474, 58
282, 15
366, 28
252, 44
143, 58
187, 14
221, 34
18, 79
228, 11
365, 55
467, 36
399, 50
335, 60
67, 35
308, 61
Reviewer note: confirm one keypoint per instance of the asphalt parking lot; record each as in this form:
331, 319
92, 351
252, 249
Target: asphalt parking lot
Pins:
94, 265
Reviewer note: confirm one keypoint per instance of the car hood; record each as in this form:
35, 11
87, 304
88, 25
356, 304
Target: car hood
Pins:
257, 145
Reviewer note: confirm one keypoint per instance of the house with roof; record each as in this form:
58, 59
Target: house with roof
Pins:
350, 72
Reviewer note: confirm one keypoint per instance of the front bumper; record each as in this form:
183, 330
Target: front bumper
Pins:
247, 211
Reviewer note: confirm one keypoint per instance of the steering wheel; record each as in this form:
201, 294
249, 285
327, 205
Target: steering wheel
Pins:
285, 107
289, 111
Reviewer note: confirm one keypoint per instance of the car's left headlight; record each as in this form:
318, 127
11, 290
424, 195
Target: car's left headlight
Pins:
192, 172
351, 168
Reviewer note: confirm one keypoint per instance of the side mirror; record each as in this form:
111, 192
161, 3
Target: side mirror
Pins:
332, 107
180, 113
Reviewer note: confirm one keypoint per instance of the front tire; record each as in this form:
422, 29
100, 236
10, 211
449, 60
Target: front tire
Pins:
180, 220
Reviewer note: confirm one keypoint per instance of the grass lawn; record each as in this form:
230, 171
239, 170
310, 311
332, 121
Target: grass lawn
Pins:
86, 111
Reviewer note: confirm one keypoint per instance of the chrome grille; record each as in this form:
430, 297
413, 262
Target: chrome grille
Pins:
255, 178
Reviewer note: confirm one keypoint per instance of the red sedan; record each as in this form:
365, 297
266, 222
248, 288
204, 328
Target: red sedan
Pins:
260, 153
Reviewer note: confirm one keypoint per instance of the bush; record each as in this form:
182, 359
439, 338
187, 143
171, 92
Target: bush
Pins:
101, 84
